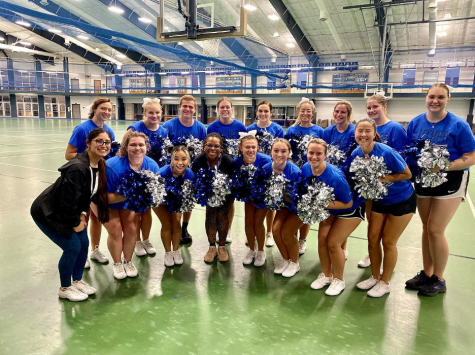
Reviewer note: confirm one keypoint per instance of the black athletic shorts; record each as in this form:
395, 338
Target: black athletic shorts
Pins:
456, 185
397, 209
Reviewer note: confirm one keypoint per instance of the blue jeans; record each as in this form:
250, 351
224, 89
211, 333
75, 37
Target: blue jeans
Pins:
74, 253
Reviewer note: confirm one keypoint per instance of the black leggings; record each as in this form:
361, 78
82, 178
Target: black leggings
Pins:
217, 221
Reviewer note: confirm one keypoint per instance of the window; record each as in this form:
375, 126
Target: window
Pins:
27, 106
24, 80
5, 106
53, 81
55, 107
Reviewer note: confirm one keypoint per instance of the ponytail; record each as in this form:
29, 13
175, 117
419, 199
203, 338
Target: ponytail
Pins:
102, 203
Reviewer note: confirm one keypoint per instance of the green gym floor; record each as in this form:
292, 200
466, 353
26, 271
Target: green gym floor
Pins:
211, 309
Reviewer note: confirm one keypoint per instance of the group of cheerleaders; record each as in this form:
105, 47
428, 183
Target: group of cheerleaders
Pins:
62, 211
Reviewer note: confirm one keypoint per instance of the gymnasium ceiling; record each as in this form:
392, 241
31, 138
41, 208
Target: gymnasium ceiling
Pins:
345, 31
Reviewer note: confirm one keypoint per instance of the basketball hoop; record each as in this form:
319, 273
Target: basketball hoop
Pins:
211, 47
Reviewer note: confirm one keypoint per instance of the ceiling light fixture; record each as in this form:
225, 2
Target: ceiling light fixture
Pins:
2, 39
116, 9
145, 20
290, 45
250, 7
54, 30
23, 23
273, 17
83, 37
120, 55
276, 34
25, 43
441, 34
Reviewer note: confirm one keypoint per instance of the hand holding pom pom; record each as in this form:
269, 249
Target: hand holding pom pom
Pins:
367, 174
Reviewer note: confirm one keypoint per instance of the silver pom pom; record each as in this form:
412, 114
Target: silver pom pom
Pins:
367, 172
194, 146
274, 199
433, 155
312, 206
188, 197
221, 189
232, 147
156, 187
335, 156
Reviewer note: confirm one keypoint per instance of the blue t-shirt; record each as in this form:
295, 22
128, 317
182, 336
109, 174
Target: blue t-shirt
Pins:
397, 191
142, 128
452, 131
228, 131
291, 172
341, 140
315, 131
117, 167
276, 130
261, 160
166, 173
81, 131
177, 130
334, 177
393, 134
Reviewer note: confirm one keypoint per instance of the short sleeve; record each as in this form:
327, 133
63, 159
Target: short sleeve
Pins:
78, 138
342, 190
464, 141
112, 179
394, 161
280, 132
399, 140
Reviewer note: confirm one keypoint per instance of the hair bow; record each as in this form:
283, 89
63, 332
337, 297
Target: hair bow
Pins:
250, 133
147, 100
304, 99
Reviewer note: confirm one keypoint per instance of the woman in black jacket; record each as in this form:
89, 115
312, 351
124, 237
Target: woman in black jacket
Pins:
217, 218
60, 211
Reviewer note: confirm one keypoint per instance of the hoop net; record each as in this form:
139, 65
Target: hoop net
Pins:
211, 47
385, 89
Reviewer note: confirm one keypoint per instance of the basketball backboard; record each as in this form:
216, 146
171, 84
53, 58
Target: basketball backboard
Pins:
201, 20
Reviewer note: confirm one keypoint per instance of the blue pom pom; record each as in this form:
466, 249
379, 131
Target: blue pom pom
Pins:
115, 146
180, 195
133, 185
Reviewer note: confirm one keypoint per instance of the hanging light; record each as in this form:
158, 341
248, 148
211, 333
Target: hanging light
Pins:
25, 43
145, 20
23, 23
250, 7
290, 45
83, 37
273, 17
116, 9
120, 55
54, 30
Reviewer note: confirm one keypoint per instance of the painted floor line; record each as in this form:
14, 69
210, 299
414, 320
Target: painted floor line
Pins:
29, 167
27, 155
471, 205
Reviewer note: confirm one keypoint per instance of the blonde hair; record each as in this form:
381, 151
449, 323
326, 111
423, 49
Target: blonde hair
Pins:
123, 148
147, 102
299, 105
97, 102
224, 98
440, 85
320, 142
348, 105
188, 98
246, 138
282, 140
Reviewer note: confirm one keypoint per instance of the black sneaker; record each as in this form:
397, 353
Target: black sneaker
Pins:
433, 287
417, 281
186, 239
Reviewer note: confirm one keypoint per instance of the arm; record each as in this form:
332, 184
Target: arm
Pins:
465, 161
338, 205
71, 189
71, 152
403, 175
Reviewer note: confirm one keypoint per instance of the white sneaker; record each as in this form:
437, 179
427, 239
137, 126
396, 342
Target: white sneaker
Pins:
87, 265
139, 248
346, 254
130, 269
269, 240
72, 294
99, 256
292, 269
367, 284
169, 261
84, 287
281, 268
251, 254
336, 287
119, 272
229, 237
302, 246
260, 258
148, 247
379, 290
365, 262
321, 281
177, 259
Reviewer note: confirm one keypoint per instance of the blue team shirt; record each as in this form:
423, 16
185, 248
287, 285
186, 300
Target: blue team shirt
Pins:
177, 130
315, 131
342, 140
117, 167
228, 131
142, 128
334, 177
261, 160
276, 130
397, 191
166, 173
452, 131
393, 134
81, 131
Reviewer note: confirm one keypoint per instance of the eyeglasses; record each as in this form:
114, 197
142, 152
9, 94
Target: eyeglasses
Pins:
100, 142
215, 146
